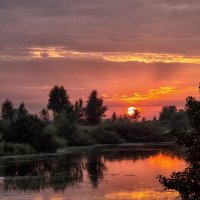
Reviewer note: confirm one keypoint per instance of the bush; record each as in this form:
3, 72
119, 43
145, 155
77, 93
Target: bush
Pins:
47, 140
140, 132
81, 139
106, 137
15, 149
65, 127
149, 131
61, 142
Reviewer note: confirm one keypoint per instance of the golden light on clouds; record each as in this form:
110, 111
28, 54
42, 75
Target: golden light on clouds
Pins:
150, 95
153, 58
62, 52
58, 52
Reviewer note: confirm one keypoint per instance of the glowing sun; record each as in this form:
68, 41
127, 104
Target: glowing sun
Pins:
131, 110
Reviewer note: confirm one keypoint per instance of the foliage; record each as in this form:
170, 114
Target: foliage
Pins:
44, 115
81, 139
167, 113
173, 118
138, 131
187, 182
44, 134
7, 110
106, 137
22, 111
15, 149
61, 142
65, 126
135, 116
58, 99
30, 129
114, 117
47, 141
95, 109
79, 110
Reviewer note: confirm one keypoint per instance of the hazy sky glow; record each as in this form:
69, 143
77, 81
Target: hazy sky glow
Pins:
141, 53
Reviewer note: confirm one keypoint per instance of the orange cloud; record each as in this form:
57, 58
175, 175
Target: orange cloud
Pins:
152, 58
62, 52
152, 94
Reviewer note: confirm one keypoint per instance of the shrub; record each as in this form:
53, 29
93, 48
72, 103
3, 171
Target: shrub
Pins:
81, 139
107, 137
65, 127
15, 149
47, 140
149, 131
61, 142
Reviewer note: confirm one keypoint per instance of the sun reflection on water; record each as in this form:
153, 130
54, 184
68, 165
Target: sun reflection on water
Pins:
120, 173
142, 195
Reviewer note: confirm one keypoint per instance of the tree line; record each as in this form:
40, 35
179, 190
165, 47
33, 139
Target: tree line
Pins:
63, 123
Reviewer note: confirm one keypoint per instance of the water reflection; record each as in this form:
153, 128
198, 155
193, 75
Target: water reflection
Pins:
101, 173
95, 168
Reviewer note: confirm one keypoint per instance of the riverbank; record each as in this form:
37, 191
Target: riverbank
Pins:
74, 149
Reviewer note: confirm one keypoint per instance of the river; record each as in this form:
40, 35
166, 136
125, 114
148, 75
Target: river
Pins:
99, 173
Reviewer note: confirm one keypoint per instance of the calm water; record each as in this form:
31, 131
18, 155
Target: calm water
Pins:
103, 173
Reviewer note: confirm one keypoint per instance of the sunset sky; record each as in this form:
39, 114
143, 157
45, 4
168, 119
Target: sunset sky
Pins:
141, 53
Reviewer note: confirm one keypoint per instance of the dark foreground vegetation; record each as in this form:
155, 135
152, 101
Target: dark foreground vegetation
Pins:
187, 182
64, 124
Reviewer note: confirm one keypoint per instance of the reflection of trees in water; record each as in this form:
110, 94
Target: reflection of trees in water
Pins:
57, 173
67, 170
95, 168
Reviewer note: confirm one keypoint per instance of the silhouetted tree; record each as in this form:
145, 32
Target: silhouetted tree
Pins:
7, 109
65, 126
79, 110
58, 99
143, 119
187, 182
155, 118
167, 113
173, 118
22, 111
135, 117
44, 115
114, 117
95, 109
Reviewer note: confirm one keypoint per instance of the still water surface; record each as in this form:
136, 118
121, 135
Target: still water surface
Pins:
101, 173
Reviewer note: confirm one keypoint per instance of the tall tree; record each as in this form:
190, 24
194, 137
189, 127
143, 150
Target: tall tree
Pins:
22, 111
79, 109
7, 109
58, 99
95, 109
168, 113
135, 116
114, 117
44, 115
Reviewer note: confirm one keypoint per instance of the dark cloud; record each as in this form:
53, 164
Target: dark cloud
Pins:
109, 25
